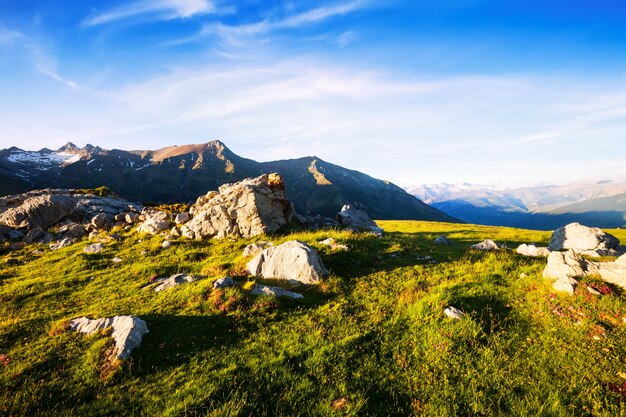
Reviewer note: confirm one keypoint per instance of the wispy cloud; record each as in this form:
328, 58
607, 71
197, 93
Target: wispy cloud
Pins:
155, 9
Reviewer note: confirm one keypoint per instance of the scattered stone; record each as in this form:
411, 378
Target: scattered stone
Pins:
153, 226
442, 240
131, 218
166, 244
254, 249
523, 275
62, 243
358, 220
532, 250
127, 332
34, 235
74, 230
427, 258
332, 243
566, 266
248, 208
487, 244
37, 252
593, 291
586, 240
224, 282
259, 289
94, 248
454, 313
117, 259
182, 218
144, 252
173, 281
174, 232
99, 221
292, 261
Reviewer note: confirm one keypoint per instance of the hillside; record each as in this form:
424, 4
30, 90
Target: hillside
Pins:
370, 339
595, 203
182, 173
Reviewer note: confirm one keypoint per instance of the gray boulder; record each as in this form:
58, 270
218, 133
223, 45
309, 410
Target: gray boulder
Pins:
248, 208
62, 243
127, 332
224, 282
73, 231
93, 248
182, 218
34, 235
173, 281
254, 249
583, 239
153, 226
563, 268
293, 261
259, 289
357, 220
99, 220
442, 240
532, 250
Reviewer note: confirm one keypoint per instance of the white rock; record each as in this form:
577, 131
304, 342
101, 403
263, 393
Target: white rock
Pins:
292, 261
224, 282
153, 226
454, 313
62, 243
93, 248
332, 243
487, 244
166, 244
259, 289
532, 250
182, 218
127, 331
117, 259
358, 220
173, 281
582, 238
254, 249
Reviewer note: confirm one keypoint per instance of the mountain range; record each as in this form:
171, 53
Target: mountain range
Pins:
182, 173
594, 203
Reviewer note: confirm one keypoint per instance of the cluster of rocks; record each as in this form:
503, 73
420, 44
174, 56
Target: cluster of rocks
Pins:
59, 217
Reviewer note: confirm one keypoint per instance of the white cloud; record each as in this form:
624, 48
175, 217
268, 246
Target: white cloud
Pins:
158, 9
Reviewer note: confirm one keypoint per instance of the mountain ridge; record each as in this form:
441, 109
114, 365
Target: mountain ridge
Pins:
182, 173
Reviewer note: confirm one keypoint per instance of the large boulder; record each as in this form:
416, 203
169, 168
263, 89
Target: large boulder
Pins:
45, 208
293, 261
613, 272
587, 240
532, 250
247, 208
127, 331
357, 220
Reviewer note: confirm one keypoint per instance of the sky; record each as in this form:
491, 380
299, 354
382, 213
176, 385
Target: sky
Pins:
493, 92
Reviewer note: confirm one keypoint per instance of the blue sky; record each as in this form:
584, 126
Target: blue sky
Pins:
497, 92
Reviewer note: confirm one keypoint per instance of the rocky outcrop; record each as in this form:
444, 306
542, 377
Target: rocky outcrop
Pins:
565, 267
248, 208
293, 261
127, 332
586, 240
357, 220
532, 250
488, 245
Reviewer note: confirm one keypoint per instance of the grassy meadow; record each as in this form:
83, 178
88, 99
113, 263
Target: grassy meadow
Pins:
370, 339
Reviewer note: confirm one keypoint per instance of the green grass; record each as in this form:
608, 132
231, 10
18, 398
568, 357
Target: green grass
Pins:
371, 339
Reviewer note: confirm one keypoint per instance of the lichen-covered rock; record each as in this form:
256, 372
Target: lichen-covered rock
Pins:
247, 208
127, 331
293, 261
357, 220
532, 250
583, 239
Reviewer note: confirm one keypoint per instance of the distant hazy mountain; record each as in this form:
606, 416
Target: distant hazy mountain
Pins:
595, 203
182, 173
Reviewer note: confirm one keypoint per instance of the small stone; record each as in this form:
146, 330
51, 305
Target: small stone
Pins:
454, 313
593, 291
523, 275
117, 259
99, 220
224, 282
259, 289
93, 248
332, 243
166, 244
173, 281
442, 240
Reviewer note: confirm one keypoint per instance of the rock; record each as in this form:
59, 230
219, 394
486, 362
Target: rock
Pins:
153, 226
357, 220
174, 232
582, 238
45, 208
613, 272
173, 281
224, 282
115, 236
454, 313
292, 261
34, 235
487, 244
523, 275
127, 332
427, 258
332, 243
131, 218
15, 234
182, 218
62, 243
99, 220
93, 248
254, 249
563, 267
73, 231
259, 289
532, 250
248, 208
442, 240
593, 291
117, 260
166, 244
